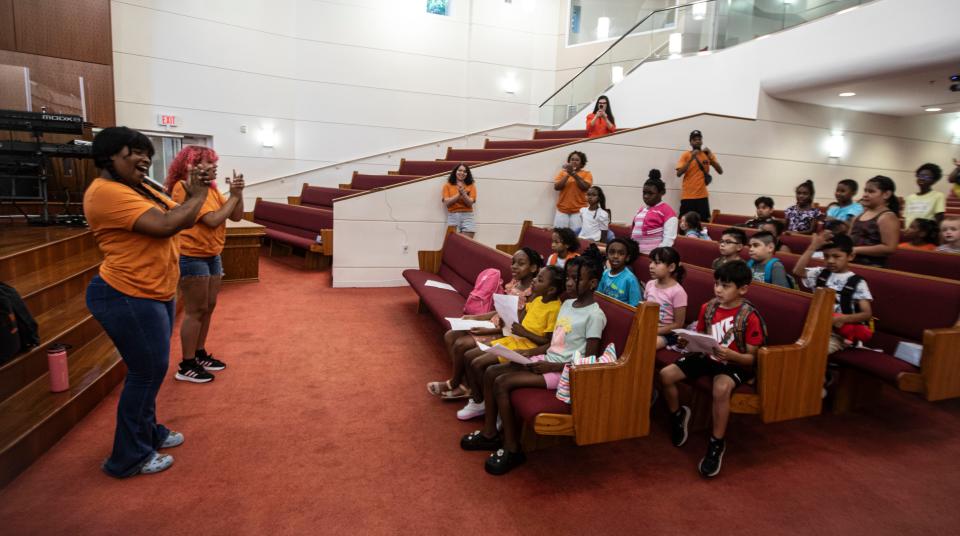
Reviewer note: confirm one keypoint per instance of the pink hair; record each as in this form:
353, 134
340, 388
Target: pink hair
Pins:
190, 155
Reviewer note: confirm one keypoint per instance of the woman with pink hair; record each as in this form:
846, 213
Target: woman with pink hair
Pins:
200, 246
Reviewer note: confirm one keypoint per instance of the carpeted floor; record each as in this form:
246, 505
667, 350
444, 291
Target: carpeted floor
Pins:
321, 425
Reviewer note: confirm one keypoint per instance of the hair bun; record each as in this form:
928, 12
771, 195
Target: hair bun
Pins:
654, 174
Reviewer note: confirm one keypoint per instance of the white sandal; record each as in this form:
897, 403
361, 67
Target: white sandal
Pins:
156, 463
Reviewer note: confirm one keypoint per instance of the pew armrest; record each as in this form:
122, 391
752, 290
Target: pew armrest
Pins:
510, 249
940, 364
790, 376
293, 199
429, 261
326, 236
611, 401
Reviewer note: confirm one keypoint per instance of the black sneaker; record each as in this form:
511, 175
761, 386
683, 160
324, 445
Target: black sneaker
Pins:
191, 371
208, 362
678, 425
710, 464
502, 461
475, 441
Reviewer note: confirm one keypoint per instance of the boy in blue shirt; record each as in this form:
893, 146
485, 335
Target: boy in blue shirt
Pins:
618, 281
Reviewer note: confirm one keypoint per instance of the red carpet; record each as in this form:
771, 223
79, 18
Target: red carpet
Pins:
322, 425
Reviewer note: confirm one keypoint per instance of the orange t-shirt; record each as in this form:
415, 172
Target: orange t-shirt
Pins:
135, 264
450, 190
925, 247
693, 186
600, 128
201, 240
572, 198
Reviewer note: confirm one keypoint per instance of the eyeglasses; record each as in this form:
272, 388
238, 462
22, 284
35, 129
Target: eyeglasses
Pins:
730, 243
925, 177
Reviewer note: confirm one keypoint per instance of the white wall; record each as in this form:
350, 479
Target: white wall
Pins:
767, 156
336, 80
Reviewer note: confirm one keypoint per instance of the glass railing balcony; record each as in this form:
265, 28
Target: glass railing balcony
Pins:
674, 32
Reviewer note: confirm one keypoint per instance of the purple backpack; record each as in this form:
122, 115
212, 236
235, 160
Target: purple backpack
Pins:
480, 299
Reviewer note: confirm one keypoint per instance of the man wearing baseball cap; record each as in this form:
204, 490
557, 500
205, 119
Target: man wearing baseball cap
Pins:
694, 167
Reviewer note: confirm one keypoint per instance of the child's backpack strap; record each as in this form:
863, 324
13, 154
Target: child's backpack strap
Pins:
711, 310
847, 304
740, 325
822, 277
768, 275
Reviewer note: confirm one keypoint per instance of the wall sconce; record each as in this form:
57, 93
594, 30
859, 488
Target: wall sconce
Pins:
268, 138
616, 74
699, 11
956, 129
603, 28
509, 84
675, 45
836, 146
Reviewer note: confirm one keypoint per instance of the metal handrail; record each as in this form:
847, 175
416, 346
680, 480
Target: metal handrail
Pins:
615, 43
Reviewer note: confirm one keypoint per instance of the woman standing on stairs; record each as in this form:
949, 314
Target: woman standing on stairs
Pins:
600, 122
201, 269
132, 297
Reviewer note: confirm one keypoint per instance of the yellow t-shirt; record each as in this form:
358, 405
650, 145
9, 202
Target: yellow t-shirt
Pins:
200, 240
540, 320
135, 264
925, 206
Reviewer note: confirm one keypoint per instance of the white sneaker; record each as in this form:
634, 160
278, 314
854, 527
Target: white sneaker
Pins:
471, 411
175, 439
156, 463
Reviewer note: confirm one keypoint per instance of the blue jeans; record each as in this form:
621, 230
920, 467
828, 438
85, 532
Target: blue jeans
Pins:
200, 266
140, 328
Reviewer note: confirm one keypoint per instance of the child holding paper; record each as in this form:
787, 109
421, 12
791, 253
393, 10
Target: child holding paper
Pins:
735, 324
530, 337
579, 326
525, 264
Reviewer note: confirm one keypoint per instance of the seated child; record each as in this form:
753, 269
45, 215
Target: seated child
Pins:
529, 337
950, 235
579, 327
595, 217
731, 244
852, 311
618, 281
691, 227
564, 245
525, 265
764, 206
763, 265
776, 228
803, 217
664, 288
921, 235
736, 325
845, 209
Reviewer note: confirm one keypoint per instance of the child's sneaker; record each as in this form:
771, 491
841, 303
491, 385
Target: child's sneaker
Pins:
471, 411
678, 425
156, 463
191, 371
710, 464
208, 362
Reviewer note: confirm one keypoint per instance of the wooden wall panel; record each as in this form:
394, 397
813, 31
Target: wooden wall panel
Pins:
71, 29
56, 85
8, 39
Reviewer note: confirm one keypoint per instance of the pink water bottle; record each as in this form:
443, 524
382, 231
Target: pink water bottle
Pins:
57, 361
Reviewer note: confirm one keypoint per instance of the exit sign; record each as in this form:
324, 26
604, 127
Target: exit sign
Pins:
166, 120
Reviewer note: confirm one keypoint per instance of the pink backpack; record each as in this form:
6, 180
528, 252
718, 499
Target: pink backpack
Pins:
480, 299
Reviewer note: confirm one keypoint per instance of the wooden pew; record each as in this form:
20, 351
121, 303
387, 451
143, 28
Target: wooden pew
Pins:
363, 181
319, 196
538, 238
295, 226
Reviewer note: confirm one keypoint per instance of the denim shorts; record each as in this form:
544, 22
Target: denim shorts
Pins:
463, 221
200, 266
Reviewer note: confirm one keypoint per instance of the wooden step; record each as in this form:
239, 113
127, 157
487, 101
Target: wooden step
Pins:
34, 419
524, 144
24, 250
429, 167
39, 288
69, 323
559, 134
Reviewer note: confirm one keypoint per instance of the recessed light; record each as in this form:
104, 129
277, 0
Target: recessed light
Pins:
933, 109
847, 94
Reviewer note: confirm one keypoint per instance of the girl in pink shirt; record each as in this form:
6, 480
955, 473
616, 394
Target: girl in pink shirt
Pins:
655, 225
664, 288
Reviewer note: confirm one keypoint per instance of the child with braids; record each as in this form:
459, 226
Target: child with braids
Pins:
579, 326
525, 265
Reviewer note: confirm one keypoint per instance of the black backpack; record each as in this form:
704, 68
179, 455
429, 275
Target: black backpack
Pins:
847, 305
18, 329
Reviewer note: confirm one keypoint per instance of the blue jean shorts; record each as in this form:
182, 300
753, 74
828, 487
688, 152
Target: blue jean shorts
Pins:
200, 266
463, 221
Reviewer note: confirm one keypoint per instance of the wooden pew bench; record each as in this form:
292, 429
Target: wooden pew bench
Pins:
537, 238
363, 181
296, 226
319, 196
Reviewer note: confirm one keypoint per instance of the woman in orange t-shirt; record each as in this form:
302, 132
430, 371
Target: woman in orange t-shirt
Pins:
600, 122
134, 226
458, 196
572, 182
201, 269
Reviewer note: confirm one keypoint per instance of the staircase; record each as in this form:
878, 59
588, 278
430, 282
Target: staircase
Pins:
50, 268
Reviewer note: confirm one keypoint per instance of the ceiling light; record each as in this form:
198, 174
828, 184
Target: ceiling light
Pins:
933, 109
847, 94
699, 11
835, 145
616, 74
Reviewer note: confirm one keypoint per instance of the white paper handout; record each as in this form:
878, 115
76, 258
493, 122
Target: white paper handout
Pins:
462, 324
438, 284
697, 342
504, 352
506, 306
